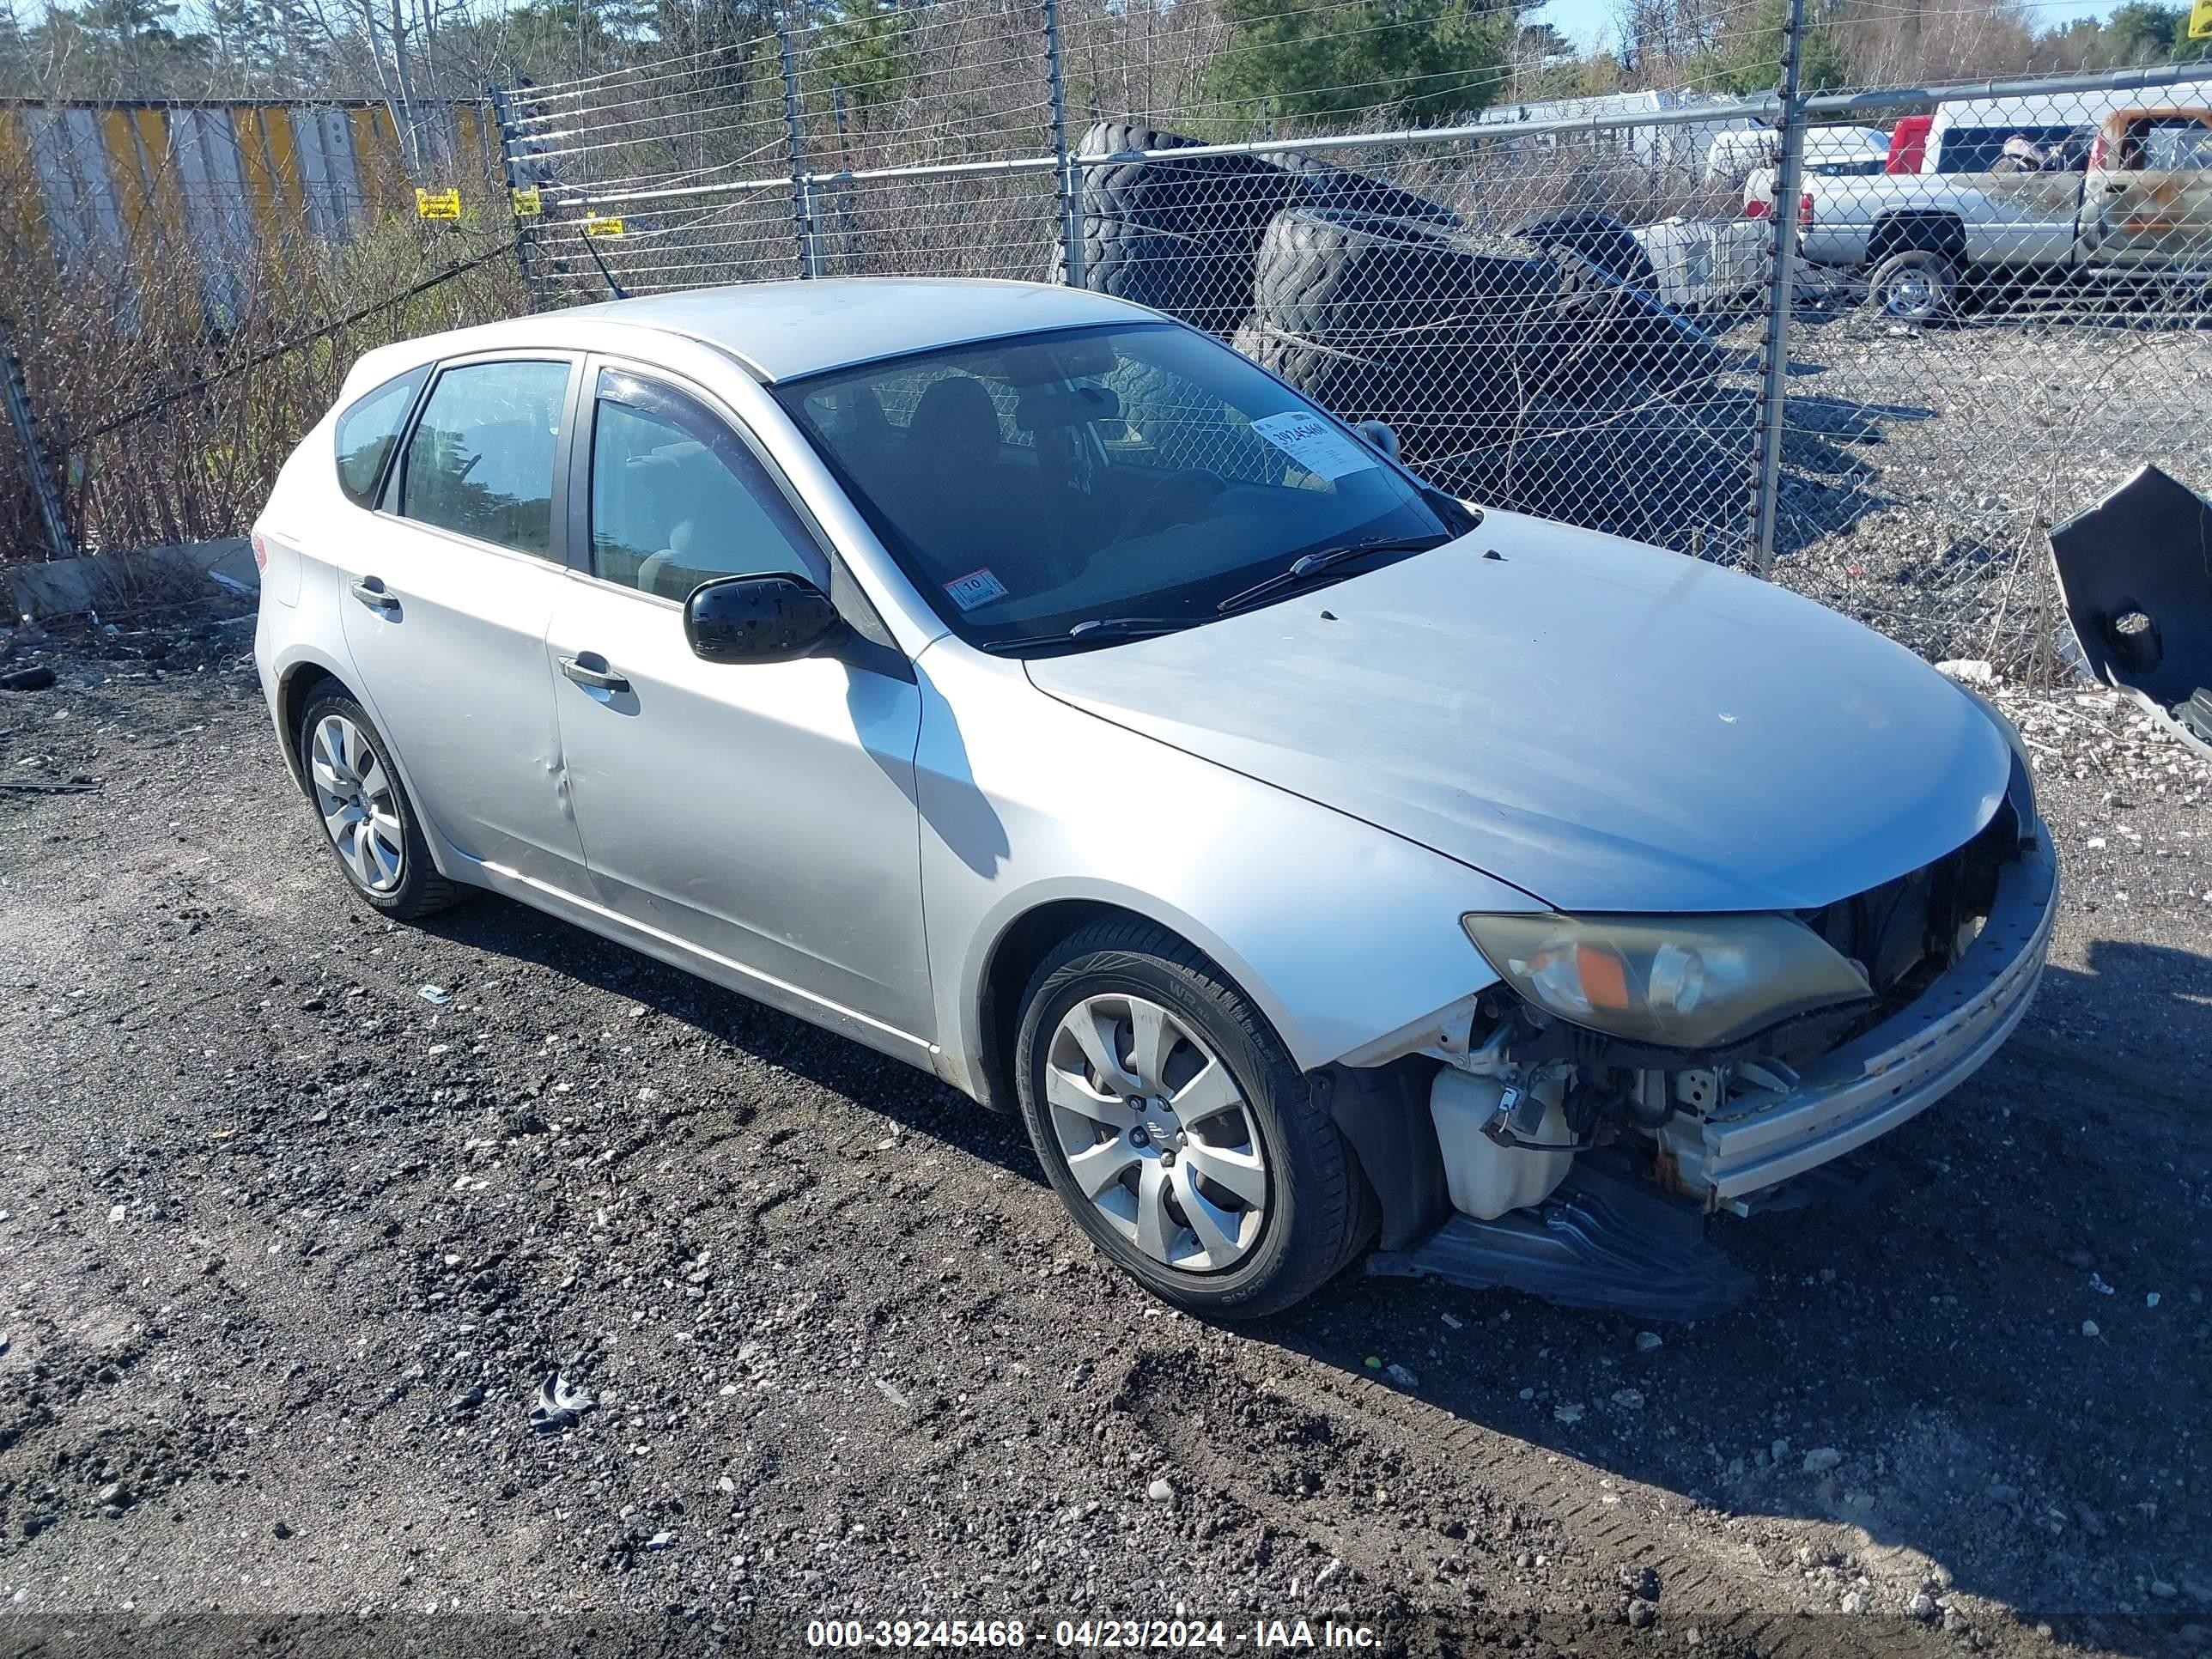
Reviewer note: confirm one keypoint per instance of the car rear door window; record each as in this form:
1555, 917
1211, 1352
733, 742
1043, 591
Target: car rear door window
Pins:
480, 463
678, 498
367, 432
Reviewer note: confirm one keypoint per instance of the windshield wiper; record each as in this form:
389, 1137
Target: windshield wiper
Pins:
1100, 629
1307, 566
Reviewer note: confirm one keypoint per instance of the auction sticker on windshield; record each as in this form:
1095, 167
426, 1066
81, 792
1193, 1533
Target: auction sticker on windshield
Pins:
1314, 444
976, 588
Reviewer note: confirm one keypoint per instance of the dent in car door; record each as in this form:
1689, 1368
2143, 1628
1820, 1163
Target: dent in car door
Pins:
2149, 201
445, 597
763, 813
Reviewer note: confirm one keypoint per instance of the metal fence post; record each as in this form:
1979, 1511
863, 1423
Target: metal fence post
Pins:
510, 169
802, 183
841, 193
1773, 384
1067, 176
37, 472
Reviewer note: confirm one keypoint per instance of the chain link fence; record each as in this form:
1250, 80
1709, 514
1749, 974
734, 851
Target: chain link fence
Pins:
2001, 317
1987, 309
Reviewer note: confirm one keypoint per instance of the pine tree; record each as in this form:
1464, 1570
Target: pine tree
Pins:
1424, 60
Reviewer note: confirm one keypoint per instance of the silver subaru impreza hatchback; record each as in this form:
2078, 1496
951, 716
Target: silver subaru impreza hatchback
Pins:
1027, 686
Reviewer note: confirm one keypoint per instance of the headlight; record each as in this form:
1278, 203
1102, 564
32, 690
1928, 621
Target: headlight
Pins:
1679, 981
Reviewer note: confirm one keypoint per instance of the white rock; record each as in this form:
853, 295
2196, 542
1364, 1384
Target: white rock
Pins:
1160, 1492
1647, 1340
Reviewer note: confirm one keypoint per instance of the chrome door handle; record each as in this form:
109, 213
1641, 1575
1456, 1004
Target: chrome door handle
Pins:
369, 590
597, 678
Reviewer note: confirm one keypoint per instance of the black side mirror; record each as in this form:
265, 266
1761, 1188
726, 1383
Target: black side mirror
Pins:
758, 619
1381, 435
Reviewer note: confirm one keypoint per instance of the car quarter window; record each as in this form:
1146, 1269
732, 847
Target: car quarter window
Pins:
366, 431
678, 498
480, 462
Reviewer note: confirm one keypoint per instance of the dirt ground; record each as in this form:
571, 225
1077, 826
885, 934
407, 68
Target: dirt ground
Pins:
287, 1250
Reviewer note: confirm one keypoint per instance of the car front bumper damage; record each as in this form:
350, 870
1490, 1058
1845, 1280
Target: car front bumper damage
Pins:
1754, 1141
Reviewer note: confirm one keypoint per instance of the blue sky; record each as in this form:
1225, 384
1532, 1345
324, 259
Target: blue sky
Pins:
1590, 22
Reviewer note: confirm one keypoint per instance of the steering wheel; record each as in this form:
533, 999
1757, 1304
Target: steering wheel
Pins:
1173, 500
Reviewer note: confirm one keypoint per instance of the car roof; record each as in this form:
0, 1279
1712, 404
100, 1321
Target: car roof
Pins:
785, 330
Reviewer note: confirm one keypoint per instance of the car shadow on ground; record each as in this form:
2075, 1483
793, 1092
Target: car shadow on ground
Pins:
909, 1096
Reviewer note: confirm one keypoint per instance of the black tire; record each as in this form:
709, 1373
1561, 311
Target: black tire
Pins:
1182, 237
421, 891
1639, 335
1914, 285
1319, 1213
1332, 186
1599, 238
1397, 321
1356, 279
1178, 236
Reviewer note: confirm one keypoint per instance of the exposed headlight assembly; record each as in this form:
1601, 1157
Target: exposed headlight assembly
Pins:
1674, 982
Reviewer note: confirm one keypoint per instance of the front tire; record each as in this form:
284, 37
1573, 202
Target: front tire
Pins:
368, 823
1177, 1128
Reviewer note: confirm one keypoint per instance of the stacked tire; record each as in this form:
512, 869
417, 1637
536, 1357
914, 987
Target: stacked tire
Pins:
1184, 237
1554, 380
1392, 320
1622, 332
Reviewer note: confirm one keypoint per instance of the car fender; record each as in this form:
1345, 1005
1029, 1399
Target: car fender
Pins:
299, 655
1339, 932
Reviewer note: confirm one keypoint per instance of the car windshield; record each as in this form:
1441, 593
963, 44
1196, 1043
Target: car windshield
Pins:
1130, 477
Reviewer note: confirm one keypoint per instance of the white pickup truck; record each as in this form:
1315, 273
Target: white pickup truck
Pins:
2123, 193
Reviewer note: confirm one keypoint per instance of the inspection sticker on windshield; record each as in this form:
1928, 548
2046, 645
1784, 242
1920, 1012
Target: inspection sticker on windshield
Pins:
1314, 444
976, 588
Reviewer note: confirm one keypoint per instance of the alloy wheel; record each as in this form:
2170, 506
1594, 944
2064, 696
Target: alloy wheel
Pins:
1156, 1132
1912, 295
354, 794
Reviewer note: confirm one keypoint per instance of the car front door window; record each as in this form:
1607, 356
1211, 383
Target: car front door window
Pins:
678, 498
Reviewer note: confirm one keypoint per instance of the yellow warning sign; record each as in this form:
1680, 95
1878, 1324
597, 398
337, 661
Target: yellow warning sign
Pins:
2200, 20
603, 226
437, 204
528, 204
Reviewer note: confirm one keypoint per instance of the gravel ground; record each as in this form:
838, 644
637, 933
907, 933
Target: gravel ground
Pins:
1924, 464
290, 1248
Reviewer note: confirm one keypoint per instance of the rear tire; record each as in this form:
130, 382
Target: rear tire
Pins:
1916, 285
368, 823
1210, 1174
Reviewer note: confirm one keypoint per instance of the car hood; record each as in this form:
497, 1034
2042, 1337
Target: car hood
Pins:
1607, 726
